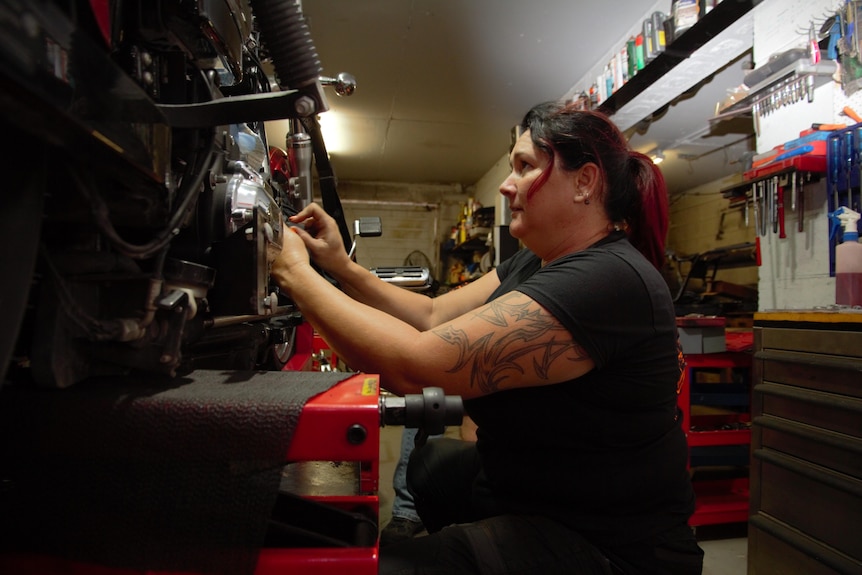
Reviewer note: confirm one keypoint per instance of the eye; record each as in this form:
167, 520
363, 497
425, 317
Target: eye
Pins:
522, 166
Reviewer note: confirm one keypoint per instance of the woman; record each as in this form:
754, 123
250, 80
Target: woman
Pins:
566, 356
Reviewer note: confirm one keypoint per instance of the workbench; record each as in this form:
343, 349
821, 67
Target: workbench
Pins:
806, 466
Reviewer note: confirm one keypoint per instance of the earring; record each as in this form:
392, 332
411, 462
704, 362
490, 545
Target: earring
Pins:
587, 201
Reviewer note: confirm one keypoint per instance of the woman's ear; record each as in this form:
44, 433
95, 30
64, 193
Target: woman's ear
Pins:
587, 180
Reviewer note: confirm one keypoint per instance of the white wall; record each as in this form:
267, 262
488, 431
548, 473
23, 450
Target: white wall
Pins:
415, 217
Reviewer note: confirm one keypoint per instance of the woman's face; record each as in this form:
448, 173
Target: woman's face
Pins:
537, 211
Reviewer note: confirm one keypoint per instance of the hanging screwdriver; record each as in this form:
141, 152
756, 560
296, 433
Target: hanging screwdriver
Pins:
800, 204
833, 157
849, 162
780, 208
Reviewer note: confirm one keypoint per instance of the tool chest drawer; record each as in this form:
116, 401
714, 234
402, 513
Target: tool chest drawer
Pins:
806, 444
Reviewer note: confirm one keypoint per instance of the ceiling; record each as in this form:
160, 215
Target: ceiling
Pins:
441, 83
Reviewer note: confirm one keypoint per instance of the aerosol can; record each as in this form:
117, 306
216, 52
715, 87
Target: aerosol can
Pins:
848, 258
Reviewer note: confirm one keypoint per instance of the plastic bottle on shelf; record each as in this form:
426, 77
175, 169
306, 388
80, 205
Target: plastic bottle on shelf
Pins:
649, 45
631, 58
685, 14
848, 259
659, 40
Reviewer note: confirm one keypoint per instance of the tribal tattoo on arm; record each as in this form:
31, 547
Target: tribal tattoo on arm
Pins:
529, 332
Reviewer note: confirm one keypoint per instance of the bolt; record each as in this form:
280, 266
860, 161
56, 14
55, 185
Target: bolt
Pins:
304, 106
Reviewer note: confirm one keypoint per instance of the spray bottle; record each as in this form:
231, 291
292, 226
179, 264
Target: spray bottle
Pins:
848, 258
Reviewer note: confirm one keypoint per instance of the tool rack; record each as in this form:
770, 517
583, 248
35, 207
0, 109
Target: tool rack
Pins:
767, 189
716, 420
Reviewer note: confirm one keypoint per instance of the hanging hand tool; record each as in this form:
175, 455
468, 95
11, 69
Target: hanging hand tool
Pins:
757, 211
833, 157
849, 163
800, 204
773, 197
756, 110
754, 207
779, 208
793, 191
764, 207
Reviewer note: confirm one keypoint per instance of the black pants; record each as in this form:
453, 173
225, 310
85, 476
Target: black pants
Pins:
469, 534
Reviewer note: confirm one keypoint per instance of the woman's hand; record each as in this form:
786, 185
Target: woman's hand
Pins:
292, 258
320, 233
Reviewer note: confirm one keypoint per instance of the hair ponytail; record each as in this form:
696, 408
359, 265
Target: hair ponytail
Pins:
648, 223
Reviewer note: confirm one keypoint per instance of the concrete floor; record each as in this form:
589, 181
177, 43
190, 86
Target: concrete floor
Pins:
725, 546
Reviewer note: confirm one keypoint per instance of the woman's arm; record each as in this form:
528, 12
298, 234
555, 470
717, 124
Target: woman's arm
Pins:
323, 241
418, 310
508, 343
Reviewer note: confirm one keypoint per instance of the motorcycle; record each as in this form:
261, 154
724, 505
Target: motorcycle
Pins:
145, 204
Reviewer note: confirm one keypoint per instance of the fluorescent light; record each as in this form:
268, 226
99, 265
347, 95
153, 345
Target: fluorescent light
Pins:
657, 157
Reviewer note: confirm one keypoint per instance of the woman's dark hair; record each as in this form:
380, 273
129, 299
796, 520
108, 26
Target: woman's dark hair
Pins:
633, 191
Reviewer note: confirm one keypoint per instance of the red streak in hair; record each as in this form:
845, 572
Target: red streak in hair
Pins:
540, 181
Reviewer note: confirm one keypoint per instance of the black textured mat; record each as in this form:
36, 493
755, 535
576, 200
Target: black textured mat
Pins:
142, 473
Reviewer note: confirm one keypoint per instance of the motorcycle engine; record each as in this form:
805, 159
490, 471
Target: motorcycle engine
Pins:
146, 212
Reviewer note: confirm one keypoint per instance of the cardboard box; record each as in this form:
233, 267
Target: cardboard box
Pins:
701, 334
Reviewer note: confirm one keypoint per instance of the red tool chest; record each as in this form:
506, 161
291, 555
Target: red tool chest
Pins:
715, 400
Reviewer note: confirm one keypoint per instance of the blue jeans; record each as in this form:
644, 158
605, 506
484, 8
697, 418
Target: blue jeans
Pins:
402, 504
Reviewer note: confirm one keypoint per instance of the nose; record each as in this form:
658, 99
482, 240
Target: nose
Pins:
508, 187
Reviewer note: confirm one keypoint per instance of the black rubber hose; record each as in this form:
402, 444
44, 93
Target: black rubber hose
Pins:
285, 33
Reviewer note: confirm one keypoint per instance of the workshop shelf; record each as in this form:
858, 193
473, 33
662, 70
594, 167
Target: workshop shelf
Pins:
715, 403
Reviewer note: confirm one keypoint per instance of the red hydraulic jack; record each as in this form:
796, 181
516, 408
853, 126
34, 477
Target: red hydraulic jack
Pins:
343, 425
325, 519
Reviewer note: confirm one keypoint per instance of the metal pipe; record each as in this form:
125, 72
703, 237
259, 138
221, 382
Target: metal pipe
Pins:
222, 321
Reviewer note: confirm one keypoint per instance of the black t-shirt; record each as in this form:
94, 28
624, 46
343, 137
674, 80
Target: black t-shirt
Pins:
603, 453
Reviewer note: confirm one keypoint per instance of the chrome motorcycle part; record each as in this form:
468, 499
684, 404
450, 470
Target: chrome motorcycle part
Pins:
301, 154
344, 83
